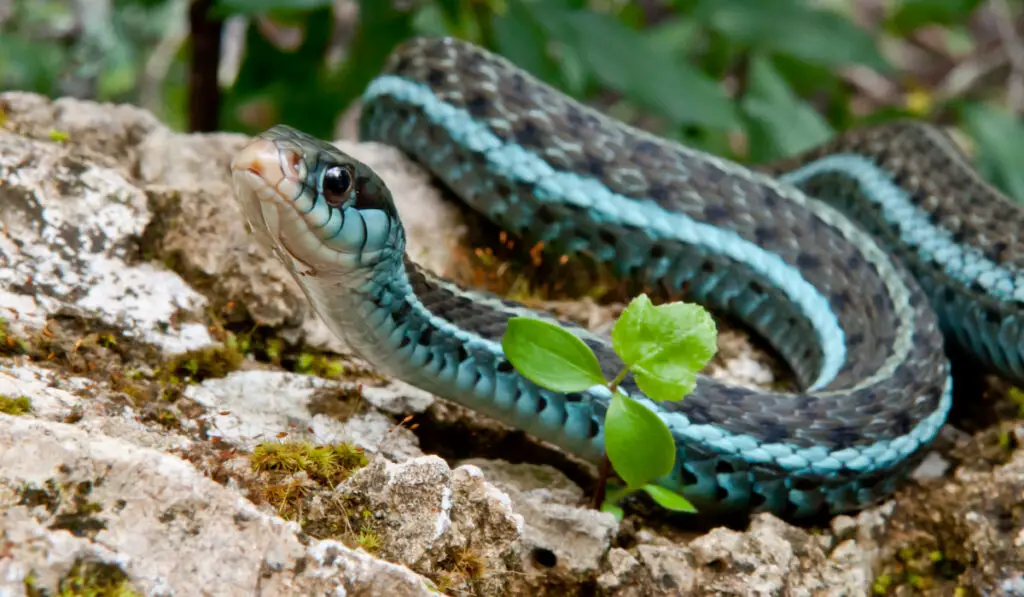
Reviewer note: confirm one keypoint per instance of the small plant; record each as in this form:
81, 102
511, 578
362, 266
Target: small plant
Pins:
663, 347
368, 540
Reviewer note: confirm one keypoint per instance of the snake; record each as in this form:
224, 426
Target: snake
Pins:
862, 261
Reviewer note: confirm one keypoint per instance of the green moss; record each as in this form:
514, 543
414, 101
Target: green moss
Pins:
917, 581
325, 464
286, 497
15, 405
172, 375
1016, 396
58, 135
320, 366
87, 579
922, 568
194, 366
368, 540
324, 467
274, 347
881, 586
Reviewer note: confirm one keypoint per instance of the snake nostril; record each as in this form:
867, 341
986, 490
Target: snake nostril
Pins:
293, 160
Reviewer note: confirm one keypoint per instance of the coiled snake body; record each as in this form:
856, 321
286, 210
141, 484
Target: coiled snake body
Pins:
858, 310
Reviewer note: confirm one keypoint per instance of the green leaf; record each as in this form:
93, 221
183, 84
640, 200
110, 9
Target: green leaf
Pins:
224, 8
450, 9
623, 59
550, 356
789, 27
431, 21
520, 38
639, 444
665, 346
38, 67
909, 15
552, 17
669, 500
290, 82
782, 124
1000, 140
674, 34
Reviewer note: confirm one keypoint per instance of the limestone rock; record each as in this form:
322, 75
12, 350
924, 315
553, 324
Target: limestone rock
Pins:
450, 525
562, 539
71, 496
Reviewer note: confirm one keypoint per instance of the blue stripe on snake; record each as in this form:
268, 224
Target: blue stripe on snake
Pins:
966, 264
853, 323
515, 163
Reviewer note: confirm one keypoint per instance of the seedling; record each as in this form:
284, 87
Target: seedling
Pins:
663, 347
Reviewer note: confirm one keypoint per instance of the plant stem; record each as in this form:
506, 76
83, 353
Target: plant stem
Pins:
613, 385
603, 473
605, 470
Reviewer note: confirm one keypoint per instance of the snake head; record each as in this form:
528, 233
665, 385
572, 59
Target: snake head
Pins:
313, 205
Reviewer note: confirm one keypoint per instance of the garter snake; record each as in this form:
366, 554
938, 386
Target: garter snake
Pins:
856, 262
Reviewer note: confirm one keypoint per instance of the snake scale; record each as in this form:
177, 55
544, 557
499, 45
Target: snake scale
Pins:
859, 262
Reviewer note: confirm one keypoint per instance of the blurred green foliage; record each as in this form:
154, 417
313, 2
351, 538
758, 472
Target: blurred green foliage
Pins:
753, 81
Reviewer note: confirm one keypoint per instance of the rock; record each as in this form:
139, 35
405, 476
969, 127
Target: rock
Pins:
669, 567
107, 135
76, 496
248, 407
449, 525
771, 558
71, 228
961, 532
625, 577
562, 539
398, 398
92, 406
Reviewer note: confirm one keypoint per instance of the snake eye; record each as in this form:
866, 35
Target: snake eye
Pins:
335, 185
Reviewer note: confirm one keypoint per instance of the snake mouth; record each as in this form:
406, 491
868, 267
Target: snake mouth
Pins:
266, 177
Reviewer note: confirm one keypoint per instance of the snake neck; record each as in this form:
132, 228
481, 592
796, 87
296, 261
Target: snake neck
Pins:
445, 339
345, 301
390, 314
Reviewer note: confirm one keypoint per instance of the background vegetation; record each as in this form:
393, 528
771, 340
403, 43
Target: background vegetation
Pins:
753, 80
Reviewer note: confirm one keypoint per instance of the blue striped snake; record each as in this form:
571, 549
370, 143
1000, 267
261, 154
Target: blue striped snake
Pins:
860, 262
